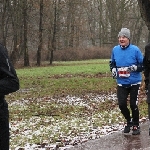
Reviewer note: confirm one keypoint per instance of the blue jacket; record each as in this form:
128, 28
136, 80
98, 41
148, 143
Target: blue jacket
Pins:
131, 55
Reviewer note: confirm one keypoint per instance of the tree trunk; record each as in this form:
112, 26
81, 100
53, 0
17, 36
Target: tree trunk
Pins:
26, 56
40, 35
3, 23
145, 11
54, 32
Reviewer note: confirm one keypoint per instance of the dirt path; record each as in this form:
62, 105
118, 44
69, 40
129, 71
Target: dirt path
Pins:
119, 141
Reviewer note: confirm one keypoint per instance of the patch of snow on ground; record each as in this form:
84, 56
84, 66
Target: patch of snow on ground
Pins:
27, 129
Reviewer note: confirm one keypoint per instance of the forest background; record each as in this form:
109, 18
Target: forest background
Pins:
35, 31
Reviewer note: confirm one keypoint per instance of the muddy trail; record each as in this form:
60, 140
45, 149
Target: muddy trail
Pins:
120, 141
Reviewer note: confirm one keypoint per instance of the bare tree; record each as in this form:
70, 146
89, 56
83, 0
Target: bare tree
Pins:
4, 20
40, 34
67, 24
144, 6
18, 14
53, 44
25, 25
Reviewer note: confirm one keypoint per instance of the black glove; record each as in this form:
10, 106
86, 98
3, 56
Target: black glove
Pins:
112, 65
146, 91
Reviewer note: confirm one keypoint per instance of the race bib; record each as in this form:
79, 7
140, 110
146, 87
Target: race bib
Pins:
123, 73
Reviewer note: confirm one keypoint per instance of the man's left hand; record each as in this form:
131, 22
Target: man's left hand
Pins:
132, 68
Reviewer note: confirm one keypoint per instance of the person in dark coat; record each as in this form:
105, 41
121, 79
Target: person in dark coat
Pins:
9, 83
147, 77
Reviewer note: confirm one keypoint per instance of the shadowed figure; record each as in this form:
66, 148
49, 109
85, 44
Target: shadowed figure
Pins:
146, 63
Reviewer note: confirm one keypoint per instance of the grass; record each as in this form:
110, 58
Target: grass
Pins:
64, 68
68, 78
41, 107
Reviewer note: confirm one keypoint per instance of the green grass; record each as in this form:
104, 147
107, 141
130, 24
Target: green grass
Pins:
85, 67
66, 78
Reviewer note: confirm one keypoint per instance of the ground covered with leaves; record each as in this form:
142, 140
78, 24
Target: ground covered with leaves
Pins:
49, 123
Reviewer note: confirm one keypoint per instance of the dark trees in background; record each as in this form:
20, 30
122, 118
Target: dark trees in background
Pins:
16, 23
3, 21
144, 6
68, 25
25, 34
40, 34
53, 41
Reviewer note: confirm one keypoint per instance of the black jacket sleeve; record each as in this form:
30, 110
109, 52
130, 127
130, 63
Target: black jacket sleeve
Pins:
9, 81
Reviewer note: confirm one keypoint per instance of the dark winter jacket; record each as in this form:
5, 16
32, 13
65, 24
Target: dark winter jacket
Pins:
9, 81
146, 63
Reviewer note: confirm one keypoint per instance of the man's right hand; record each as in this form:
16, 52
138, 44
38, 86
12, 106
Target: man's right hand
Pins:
114, 73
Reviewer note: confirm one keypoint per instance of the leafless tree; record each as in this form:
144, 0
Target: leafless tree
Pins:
4, 5
40, 34
145, 13
67, 24
25, 29
53, 42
